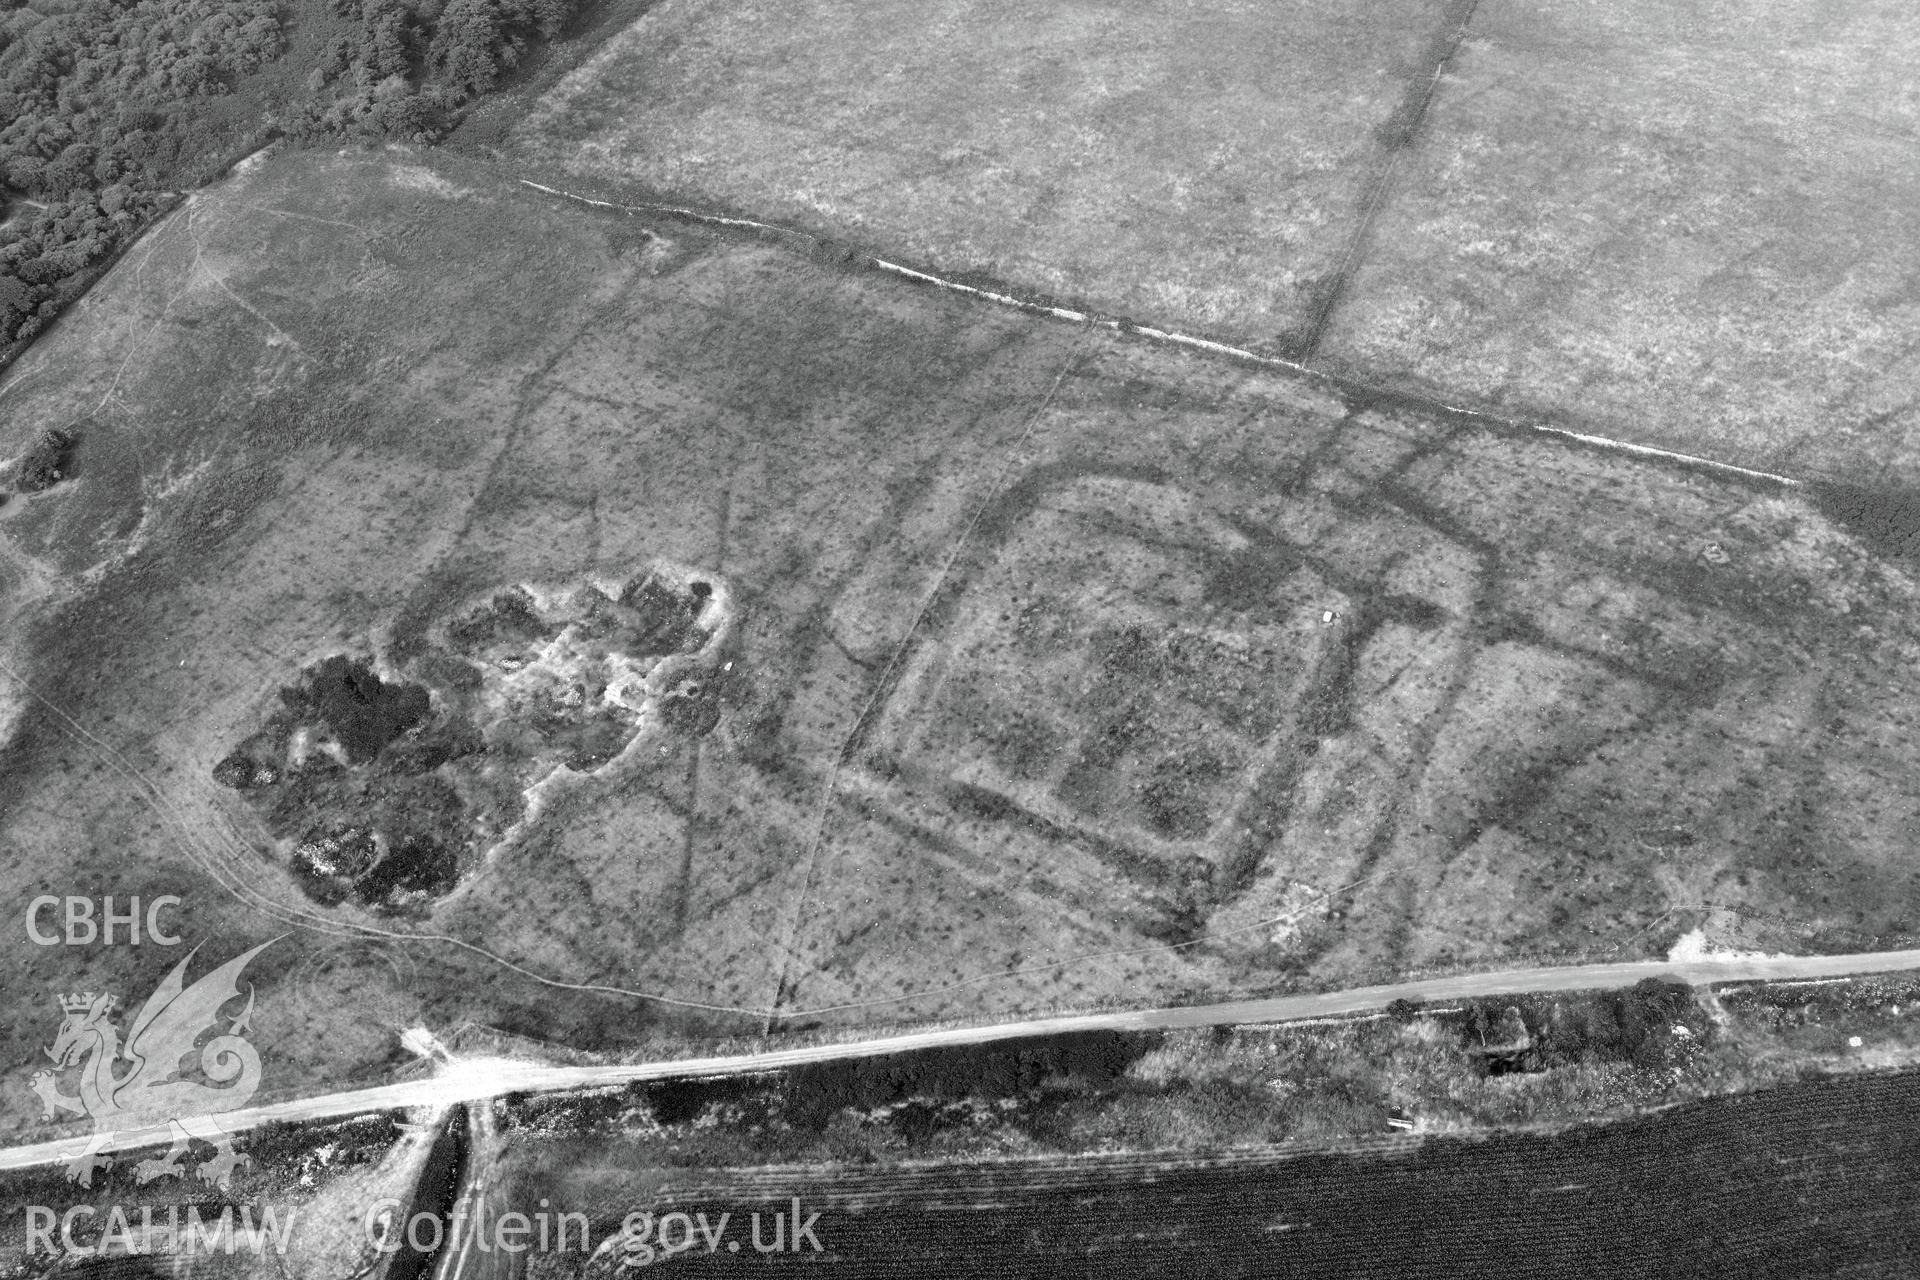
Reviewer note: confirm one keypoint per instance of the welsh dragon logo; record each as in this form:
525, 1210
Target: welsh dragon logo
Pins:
135, 1092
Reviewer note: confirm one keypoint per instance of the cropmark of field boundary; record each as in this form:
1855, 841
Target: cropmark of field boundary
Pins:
1356, 394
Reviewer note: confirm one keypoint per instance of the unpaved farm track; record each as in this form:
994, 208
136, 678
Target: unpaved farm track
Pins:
475, 1080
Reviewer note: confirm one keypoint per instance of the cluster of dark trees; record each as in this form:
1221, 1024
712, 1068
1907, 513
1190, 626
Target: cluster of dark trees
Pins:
45, 251
100, 93
106, 106
46, 462
1637, 1025
95, 102
404, 67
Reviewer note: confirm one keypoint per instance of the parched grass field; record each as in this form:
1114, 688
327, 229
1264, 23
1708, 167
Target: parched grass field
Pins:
1679, 224
1464, 698
1689, 224
1201, 165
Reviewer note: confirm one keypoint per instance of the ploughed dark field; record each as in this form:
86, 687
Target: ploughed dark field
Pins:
1817, 1178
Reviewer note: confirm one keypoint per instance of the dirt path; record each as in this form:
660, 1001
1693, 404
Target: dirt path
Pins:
473, 1080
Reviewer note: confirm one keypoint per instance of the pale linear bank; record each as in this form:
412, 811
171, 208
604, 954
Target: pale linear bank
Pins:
1188, 341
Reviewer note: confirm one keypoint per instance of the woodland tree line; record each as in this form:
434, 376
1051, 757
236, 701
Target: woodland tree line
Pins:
106, 106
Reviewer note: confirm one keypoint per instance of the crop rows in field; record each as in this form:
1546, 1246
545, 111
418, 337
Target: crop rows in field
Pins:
1814, 1178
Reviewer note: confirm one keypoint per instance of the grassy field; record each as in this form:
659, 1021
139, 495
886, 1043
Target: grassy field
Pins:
1682, 225
1679, 223
1467, 698
1203, 166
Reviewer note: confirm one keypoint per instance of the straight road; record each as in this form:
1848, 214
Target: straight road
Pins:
463, 1081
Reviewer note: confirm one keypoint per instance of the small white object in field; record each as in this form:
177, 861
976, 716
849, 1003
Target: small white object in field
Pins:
1853, 1042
